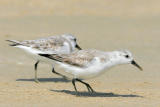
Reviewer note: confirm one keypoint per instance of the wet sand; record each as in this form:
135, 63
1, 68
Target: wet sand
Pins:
122, 86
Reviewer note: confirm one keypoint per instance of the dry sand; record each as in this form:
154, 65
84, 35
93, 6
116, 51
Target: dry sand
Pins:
122, 86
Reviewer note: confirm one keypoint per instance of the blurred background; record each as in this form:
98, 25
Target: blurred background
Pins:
108, 8
102, 24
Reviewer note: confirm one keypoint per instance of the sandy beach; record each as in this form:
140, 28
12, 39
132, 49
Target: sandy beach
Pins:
122, 27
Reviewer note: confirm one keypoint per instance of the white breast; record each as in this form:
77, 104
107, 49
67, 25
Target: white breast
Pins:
29, 50
91, 71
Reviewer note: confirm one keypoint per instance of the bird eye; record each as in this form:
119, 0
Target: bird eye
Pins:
75, 39
127, 56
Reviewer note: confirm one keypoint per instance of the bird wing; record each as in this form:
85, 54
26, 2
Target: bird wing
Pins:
49, 45
74, 59
46, 44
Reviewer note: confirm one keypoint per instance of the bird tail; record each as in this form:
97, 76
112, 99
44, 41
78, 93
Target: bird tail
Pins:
14, 42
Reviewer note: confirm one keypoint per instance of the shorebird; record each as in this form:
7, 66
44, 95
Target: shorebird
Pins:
62, 44
85, 64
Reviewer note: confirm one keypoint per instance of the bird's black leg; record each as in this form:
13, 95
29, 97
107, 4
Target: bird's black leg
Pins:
58, 73
87, 85
73, 82
35, 67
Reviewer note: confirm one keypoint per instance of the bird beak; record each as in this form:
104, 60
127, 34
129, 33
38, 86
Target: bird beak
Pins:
78, 47
135, 64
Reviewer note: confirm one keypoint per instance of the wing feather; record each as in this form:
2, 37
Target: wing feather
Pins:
79, 60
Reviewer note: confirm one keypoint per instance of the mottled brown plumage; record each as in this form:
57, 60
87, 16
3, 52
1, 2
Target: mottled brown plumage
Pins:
45, 44
80, 58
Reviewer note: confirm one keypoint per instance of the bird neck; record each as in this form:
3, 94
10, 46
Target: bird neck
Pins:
70, 45
113, 59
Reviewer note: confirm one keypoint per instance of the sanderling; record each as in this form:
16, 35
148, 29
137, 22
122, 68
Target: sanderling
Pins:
63, 44
85, 64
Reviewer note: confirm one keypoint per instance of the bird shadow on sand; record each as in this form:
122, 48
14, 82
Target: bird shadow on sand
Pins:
46, 80
95, 94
